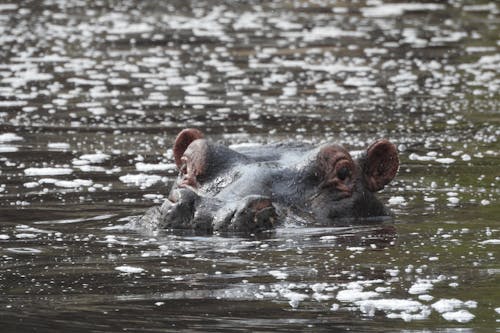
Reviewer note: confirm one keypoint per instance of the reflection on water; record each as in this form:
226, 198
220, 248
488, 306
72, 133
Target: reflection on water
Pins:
93, 93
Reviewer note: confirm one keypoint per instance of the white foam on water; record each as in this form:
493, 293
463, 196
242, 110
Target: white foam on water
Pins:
58, 145
321, 297
62, 183
8, 149
425, 298
129, 269
280, 275
420, 287
9, 137
319, 33
145, 167
392, 304
393, 272
200, 26
397, 200
97, 111
10, 104
445, 160
47, 171
490, 242
153, 196
21, 78
26, 235
449, 305
462, 316
424, 313
329, 87
451, 37
142, 180
355, 248
90, 168
466, 157
319, 287
85, 82
398, 9
201, 100
95, 158
26, 228
74, 183
118, 81
7, 6
248, 20
416, 157
294, 297
43, 59
352, 295
359, 82
287, 25
23, 250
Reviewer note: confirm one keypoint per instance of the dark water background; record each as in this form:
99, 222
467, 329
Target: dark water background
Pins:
92, 94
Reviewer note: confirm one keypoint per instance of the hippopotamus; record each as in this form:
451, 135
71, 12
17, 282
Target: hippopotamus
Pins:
256, 188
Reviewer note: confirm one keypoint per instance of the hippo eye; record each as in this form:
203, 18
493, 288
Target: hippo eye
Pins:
343, 173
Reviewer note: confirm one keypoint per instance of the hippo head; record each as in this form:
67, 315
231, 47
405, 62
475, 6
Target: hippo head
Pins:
220, 189
344, 187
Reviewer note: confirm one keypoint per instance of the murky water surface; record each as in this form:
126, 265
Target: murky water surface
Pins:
92, 94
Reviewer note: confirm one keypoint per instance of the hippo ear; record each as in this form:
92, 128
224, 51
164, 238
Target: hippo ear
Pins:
182, 141
381, 165
337, 169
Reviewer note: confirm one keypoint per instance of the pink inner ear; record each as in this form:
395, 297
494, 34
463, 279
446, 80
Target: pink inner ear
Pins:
182, 141
382, 164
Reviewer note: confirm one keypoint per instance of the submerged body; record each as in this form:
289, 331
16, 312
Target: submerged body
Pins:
220, 189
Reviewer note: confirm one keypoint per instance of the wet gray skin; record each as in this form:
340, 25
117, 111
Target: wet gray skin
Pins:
222, 190
94, 93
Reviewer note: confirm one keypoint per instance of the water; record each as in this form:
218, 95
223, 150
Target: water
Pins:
93, 93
